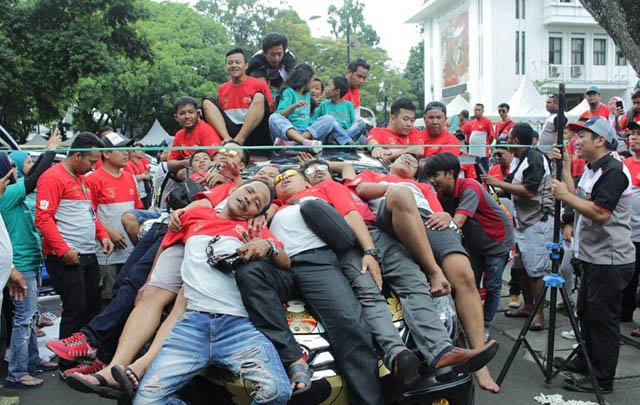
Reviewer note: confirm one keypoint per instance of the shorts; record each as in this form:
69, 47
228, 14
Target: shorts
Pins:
531, 243
442, 242
166, 274
144, 215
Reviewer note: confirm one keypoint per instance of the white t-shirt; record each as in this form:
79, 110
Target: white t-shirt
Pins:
289, 227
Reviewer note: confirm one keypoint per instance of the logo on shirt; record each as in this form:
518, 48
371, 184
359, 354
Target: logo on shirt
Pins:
111, 192
239, 230
44, 204
246, 100
131, 192
198, 225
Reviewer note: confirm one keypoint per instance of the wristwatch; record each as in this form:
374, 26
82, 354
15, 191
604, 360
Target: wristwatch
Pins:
375, 253
274, 250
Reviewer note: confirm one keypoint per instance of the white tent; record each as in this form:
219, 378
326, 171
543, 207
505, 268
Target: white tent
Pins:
526, 104
458, 104
575, 113
37, 140
156, 135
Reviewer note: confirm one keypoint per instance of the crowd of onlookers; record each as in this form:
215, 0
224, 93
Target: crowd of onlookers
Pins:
452, 206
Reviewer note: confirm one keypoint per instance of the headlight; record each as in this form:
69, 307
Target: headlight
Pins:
441, 401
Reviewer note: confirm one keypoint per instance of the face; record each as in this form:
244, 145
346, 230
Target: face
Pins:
405, 166
567, 134
117, 157
593, 99
248, 201
236, 65
636, 104
443, 182
435, 121
402, 123
462, 118
316, 173
316, 90
552, 105
330, 90
586, 146
201, 162
230, 156
187, 116
274, 55
612, 104
267, 174
478, 111
28, 164
288, 184
83, 163
357, 78
634, 140
502, 111
503, 157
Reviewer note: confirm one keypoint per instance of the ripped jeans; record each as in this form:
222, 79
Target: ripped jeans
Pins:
233, 343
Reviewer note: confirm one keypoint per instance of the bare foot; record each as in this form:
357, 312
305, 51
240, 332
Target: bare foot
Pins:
485, 381
300, 385
139, 373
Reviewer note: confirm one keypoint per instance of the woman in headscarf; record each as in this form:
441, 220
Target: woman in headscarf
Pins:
24, 360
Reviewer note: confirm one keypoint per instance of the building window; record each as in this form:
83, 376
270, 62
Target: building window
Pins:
517, 52
600, 52
520, 7
517, 9
577, 51
523, 56
620, 59
555, 51
523, 8
566, 1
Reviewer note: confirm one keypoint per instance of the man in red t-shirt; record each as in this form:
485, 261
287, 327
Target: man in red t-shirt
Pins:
435, 132
357, 73
506, 123
633, 115
479, 133
400, 131
193, 133
596, 108
244, 104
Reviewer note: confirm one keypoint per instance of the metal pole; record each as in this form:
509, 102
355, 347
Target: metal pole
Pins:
349, 38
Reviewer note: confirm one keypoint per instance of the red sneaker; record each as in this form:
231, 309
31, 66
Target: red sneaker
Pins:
85, 368
72, 347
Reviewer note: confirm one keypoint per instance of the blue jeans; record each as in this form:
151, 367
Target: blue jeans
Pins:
322, 129
25, 357
233, 343
492, 267
144, 215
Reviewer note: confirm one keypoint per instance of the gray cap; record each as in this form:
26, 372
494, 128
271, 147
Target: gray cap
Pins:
598, 126
593, 89
115, 140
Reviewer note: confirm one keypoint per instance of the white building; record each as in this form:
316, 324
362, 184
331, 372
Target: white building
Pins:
482, 49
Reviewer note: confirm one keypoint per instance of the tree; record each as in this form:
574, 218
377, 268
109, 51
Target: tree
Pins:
48, 45
621, 20
349, 18
414, 73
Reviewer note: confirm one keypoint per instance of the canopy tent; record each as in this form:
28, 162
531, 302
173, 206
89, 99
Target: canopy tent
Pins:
156, 135
68, 142
458, 104
526, 104
574, 113
37, 140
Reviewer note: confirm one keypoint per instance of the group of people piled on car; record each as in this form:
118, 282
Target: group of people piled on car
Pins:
226, 258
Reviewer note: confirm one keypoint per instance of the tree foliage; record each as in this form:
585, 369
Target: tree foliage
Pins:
48, 45
350, 16
414, 73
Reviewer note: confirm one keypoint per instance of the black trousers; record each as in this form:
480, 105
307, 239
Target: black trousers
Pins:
78, 289
629, 303
599, 302
328, 294
260, 136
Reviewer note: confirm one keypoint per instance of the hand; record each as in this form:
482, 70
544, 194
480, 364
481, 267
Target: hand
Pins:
139, 295
174, 220
619, 111
567, 232
235, 140
439, 285
107, 246
566, 156
438, 221
214, 179
304, 157
377, 152
370, 264
71, 258
17, 286
118, 239
490, 180
4, 182
255, 247
257, 222
559, 190
228, 168
298, 104
54, 140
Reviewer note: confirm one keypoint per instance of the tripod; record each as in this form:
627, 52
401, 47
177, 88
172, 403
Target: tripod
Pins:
553, 282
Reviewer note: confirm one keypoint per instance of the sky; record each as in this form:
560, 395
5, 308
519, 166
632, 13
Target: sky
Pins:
396, 37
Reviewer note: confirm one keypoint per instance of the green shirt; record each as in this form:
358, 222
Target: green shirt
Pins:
21, 228
344, 112
300, 117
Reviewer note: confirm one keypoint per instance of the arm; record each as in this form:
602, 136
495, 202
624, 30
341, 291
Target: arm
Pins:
40, 166
344, 168
174, 165
47, 201
371, 191
584, 207
416, 150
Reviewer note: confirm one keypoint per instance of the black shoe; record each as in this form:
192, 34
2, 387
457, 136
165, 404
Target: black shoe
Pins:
583, 384
574, 366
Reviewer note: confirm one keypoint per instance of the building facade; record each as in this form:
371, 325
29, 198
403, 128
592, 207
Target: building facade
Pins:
483, 48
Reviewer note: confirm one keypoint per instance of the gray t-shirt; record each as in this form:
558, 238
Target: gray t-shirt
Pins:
548, 135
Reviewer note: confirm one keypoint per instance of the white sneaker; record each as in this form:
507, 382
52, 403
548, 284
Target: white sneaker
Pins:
486, 334
312, 143
568, 334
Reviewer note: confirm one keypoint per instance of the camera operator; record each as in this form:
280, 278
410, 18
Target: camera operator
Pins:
602, 203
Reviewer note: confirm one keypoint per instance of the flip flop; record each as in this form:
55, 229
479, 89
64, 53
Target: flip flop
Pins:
516, 313
119, 374
75, 382
304, 378
47, 366
20, 383
536, 327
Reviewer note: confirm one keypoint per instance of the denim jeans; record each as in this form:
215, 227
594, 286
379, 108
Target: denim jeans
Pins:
199, 340
25, 358
492, 267
322, 129
145, 215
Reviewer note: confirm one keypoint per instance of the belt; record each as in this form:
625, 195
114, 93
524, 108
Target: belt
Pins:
316, 250
212, 315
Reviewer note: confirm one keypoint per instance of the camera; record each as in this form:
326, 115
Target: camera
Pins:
228, 263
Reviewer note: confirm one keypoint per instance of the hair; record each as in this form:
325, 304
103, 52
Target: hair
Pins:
402, 103
502, 140
103, 130
607, 144
185, 100
464, 113
460, 135
317, 79
197, 152
524, 133
355, 64
636, 94
441, 162
341, 83
272, 192
274, 39
504, 105
85, 140
297, 79
310, 163
480, 105
235, 51
246, 155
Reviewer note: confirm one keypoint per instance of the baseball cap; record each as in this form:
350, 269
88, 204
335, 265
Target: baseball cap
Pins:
436, 105
114, 140
593, 89
598, 126
633, 125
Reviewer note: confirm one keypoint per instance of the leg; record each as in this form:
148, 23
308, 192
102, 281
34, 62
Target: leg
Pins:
493, 267
255, 114
629, 294
536, 287
213, 115
356, 129
260, 135
327, 126
92, 288
282, 128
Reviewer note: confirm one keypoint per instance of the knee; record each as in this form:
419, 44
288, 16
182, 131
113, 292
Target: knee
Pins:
207, 105
399, 198
272, 392
129, 221
249, 272
258, 99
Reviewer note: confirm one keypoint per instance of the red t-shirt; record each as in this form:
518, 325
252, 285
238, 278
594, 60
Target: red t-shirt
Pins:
353, 95
217, 194
496, 171
133, 167
479, 132
235, 100
445, 138
143, 164
623, 121
385, 136
202, 135
634, 169
577, 163
602, 111
503, 127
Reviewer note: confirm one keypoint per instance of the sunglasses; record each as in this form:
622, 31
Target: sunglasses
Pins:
498, 154
502, 111
317, 168
409, 160
285, 175
228, 152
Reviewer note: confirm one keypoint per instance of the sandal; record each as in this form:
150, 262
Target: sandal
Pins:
46, 366
40, 332
20, 382
516, 313
304, 377
119, 374
43, 322
76, 382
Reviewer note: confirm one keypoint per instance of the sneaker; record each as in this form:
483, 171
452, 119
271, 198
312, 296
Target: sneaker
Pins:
72, 347
514, 301
312, 143
486, 334
84, 368
568, 334
282, 142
